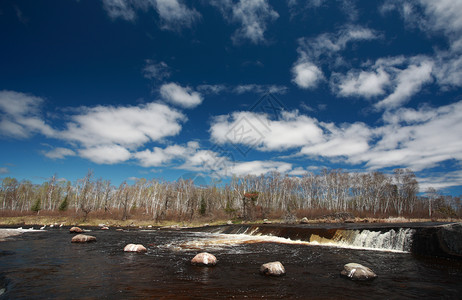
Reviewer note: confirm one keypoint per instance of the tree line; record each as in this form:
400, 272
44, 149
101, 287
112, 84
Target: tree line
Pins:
246, 197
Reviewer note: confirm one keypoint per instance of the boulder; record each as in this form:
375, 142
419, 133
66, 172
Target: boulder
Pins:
105, 228
75, 230
274, 268
204, 259
304, 220
82, 238
355, 271
135, 248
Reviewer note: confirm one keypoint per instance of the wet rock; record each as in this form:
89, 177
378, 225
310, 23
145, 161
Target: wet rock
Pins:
135, 248
450, 238
104, 228
304, 220
75, 230
274, 268
204, 259
356, 271
82, 238
442, 241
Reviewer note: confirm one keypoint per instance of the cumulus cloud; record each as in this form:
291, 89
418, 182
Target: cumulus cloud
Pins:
306, 75
59, 153
182, 96
252, 15
127, 126
110, 154
313, 52
434, 18
258, 130
173, 14
21, 115
408, 82
258, 167
160, 156
346, 140
399, 77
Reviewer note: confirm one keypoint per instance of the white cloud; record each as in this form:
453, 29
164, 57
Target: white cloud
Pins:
4, 170
59, 153
173, 14
153, 70
257, 130
347, 140
306, 75
408, 82
127, 126
436, 18
312, 53
120, 9
258, 167
440, 180
161, 156
418, 139
211, 88
182, 96
362, 83
21, 115
327, 44
252, 15
399, 77
260, 89
110, 154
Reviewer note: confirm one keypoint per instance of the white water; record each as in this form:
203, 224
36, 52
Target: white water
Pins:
390, 241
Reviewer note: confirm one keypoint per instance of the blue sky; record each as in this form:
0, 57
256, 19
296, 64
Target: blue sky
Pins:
160, 89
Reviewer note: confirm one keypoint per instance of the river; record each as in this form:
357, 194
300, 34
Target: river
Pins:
46, 265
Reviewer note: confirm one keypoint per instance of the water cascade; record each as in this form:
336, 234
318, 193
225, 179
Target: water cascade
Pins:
395, 239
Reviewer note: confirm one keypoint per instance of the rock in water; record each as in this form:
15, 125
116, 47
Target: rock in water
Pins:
355, 271
304, 220
204, 259
75, 230
82, 238
274, 268
135, 248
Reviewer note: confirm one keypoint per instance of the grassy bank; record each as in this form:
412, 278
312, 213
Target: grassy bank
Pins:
35, 220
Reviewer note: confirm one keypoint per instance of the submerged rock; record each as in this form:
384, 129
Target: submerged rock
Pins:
204, 259
274, 268
135, 248
82, 238
356, 271
75, 230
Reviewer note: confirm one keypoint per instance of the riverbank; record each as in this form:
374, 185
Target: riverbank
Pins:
37, 220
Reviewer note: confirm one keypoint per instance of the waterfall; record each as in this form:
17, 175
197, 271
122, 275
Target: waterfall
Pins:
399, 240
391, 240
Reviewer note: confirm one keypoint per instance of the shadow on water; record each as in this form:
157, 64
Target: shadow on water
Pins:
47, 265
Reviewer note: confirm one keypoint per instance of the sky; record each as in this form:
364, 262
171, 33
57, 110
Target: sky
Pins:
174, 89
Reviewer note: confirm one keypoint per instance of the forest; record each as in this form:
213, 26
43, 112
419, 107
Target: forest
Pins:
373, 194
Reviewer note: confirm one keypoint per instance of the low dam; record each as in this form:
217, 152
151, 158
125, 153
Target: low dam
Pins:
430, 239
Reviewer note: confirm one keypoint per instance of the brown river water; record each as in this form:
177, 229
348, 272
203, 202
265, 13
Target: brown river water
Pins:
46, 265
